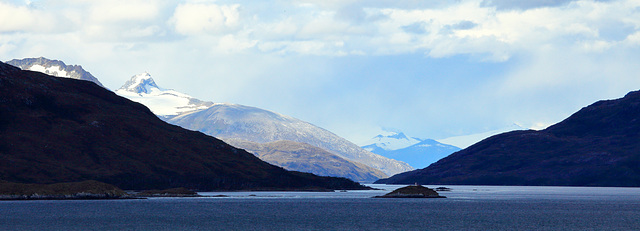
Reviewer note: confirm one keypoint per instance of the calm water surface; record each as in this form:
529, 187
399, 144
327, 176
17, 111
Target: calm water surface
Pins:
466, 208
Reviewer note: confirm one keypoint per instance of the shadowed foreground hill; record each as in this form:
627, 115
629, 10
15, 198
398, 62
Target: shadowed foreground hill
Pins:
597, 146
64, 130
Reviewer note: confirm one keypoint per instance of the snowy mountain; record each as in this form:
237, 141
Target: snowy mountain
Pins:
416, 152
54, 67
165, 103
247, 123
232, 121
390, 141
468, 140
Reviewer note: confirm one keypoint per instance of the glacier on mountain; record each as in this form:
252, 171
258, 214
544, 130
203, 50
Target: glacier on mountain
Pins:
165, 103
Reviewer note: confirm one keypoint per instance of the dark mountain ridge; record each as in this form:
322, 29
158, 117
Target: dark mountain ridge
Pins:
55, 67
597, 146
56, 130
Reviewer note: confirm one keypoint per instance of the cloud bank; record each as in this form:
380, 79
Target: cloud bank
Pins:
433, 68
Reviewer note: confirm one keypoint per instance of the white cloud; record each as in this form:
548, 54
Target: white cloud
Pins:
513, 54
114, 11
300, 47
6, 48
231, 44
595, 46
523, 5
194, 19
25, 19
283, 29
322, 26
633, 39
469, 27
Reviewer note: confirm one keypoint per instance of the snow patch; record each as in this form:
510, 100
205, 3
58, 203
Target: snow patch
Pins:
57, 71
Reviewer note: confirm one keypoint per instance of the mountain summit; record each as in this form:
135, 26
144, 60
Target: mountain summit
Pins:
141, 84
165, 103
390, 141
596, 146
55, 68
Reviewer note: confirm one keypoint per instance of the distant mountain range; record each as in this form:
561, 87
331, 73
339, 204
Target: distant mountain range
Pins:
418, 153
250, 124
596, 146
55, 68
169, 103
239, 122
65, 130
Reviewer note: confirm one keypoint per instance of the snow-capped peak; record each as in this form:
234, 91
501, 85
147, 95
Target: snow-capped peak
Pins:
392, 141
393, 135
165, 103
55, 68
141, 83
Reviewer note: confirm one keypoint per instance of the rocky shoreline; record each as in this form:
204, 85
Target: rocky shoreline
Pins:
173, 192
95, 190
85, 190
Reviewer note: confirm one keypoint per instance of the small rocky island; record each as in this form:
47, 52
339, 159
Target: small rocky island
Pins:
413, 191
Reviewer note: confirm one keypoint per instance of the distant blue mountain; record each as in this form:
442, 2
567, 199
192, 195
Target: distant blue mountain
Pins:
419, 153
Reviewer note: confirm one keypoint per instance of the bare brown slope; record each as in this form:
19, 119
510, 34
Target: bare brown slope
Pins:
64, 130
303, 157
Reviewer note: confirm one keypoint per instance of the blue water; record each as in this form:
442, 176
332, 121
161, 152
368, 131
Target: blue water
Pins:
466, 208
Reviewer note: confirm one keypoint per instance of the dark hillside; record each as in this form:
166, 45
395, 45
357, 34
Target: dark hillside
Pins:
64, 130
597, 146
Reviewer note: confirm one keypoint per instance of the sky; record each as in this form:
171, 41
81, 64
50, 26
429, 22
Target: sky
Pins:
433, 69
